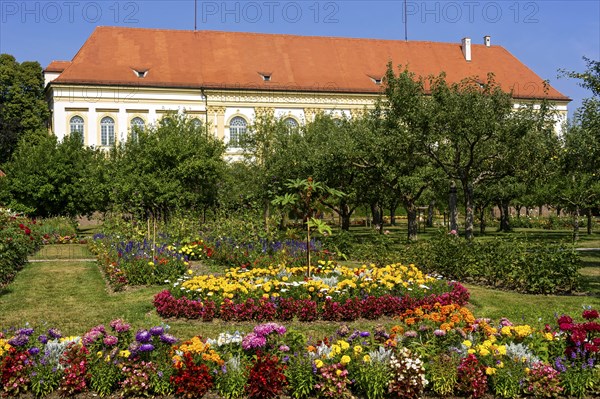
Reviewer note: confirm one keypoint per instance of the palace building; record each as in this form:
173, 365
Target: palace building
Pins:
126, 77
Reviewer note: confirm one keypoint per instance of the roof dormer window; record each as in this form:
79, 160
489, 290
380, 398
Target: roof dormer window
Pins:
266, 76
140, 73
376, 79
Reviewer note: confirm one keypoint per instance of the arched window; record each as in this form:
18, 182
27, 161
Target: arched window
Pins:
107, 131
291, 123
76, 126
137, 125
237, 129
197, 123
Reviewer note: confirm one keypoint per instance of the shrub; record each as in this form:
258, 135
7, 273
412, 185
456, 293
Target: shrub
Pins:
18, 239
509, 264
192, 380
266, 378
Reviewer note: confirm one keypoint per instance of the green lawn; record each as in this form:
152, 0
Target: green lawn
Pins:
73, 296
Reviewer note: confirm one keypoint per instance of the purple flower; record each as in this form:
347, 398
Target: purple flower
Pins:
156, 331
365, 334
19, 340
54, 333
268, 328
284, 348
168, 339
90, 337
43, 339
146, 348
253, 340
100, 328
122, 327
411, 334
143, 336
111, 340
439, 333
34, 351
134, 347
25, 331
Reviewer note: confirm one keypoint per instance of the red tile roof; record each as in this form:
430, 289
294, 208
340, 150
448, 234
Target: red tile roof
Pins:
57, 66
233, 60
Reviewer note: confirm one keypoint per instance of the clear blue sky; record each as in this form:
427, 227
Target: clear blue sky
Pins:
545, 35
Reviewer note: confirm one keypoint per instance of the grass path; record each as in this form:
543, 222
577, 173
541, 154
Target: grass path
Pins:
72, 296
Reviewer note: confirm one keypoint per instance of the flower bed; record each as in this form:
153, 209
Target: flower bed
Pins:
18, 239
434, 349
136, 262
333, 292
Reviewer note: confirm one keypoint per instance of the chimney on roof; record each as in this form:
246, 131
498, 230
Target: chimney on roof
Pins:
466, 48
487, 40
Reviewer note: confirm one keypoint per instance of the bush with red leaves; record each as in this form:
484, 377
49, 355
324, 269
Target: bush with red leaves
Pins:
266, 379
192, 380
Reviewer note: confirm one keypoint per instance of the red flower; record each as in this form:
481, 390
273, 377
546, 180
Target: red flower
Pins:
564, 319
590, 314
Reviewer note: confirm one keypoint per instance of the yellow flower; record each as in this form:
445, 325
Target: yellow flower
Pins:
549, 336
366, 358
471, 351
126, 353
345, 345
338, 372
490, 371
99, 354
501, 350
318, 363
345, 359
190, 272
484, 352
358, 349
467, 343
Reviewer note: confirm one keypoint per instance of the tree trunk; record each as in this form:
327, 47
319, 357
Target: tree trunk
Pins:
590, 219
558, 209
518, 209
576, 224
482, 220
540, 209
267, 214
393, 206
376, 217
469, 219
345, 215
411, 212
453, 213
505, 216
430, 213
527, 211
